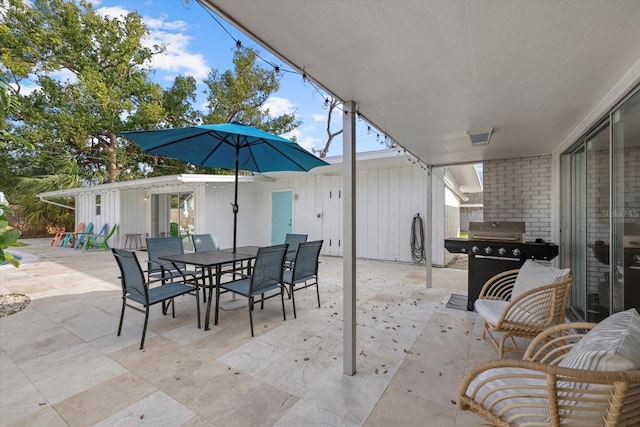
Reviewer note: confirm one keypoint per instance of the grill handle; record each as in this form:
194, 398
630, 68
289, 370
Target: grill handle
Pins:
501, 258
496, 238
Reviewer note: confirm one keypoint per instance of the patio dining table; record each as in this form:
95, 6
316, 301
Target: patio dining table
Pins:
214, 261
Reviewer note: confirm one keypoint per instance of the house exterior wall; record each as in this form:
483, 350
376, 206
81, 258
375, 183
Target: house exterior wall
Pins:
110, 207
216, 216
387, 200
468, 215
520, 190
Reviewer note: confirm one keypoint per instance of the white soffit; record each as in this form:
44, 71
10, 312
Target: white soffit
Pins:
426, 72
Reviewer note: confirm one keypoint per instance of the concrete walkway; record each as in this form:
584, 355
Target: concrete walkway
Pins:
61, 362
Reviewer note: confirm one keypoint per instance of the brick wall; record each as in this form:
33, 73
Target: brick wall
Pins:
520, 190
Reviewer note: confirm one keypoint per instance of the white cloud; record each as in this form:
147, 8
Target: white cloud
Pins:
177, 58
64, 75
319, 117
305, 141
112, 11
278, 106
162, 24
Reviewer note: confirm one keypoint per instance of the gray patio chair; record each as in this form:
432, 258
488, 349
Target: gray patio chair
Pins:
135, 288
266, 276
293, 240
204, 243
305, 270
167, 270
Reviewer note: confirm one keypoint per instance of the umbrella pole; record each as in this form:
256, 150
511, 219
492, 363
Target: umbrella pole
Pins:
235, 200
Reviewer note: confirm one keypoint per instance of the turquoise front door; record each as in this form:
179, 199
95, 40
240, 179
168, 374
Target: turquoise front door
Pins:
281, 215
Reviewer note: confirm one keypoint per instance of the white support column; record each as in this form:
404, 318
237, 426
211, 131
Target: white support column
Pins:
428, 235
349, 238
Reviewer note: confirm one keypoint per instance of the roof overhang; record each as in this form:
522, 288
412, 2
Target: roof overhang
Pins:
158, 181
428, 72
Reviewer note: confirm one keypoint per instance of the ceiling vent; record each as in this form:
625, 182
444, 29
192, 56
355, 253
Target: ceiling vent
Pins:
480, 138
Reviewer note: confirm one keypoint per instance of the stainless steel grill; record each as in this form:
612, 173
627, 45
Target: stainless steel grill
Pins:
494, 247
497, 231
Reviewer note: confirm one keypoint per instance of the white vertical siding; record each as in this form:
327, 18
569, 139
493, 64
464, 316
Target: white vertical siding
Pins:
387, 200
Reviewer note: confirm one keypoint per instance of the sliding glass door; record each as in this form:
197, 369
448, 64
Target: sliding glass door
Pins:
601, 215
625, 212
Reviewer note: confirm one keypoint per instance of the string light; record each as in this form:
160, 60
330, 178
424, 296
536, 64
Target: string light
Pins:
305, 80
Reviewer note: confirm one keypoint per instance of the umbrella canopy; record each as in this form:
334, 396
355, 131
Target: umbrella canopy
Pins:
230, 146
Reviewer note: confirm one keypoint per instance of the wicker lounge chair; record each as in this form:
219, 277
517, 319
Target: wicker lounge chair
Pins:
565, 378
523, 303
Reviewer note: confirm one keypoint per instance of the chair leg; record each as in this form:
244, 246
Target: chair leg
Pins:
262, 302
144, 328
318, 292
284, 313
198, 306
215, 321
251, 314
173, 308
293, 300
124, 303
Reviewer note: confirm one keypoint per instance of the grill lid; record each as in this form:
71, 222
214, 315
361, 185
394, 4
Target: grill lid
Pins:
497, 231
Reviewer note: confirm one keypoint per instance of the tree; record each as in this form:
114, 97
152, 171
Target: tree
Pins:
240, 95
331, 104
106, 89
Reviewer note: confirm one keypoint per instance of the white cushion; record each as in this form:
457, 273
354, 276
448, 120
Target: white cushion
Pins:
614, 344
533, 275
490, 310
518, 386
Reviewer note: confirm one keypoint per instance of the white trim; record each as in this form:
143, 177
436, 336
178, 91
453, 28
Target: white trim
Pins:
155, 181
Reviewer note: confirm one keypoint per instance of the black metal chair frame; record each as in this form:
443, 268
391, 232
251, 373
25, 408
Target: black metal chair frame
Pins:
266, 276
137, 289
305, 270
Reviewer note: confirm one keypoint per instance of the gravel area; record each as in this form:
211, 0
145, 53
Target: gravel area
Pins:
13, 303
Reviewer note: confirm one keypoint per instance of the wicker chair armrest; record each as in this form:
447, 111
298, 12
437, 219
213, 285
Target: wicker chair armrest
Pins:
551, 345
499, 287
508, 392
537, 308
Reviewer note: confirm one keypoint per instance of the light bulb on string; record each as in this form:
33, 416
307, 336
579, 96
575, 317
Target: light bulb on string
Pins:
326, 103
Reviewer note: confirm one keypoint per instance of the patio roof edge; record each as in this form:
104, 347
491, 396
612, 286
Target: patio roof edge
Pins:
154, 181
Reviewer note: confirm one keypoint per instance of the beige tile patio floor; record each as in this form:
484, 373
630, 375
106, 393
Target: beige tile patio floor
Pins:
61, 362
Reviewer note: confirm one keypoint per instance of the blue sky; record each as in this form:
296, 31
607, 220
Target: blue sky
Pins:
197, 43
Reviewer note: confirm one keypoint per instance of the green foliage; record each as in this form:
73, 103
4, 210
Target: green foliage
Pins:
107, 89
63, 173
65, 133
8, 236
241, 94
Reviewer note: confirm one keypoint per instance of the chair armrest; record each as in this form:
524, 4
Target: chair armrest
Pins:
538, 308
500, 286
511, 392
551, 345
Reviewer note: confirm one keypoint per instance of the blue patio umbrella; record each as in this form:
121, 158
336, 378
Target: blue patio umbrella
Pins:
230, 146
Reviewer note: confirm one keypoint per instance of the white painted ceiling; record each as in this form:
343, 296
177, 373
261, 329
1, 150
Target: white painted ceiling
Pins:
426, 72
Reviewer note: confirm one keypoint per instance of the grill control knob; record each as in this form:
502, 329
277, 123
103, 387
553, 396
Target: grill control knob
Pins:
516, 252
488, 250
475, 249
502, 251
